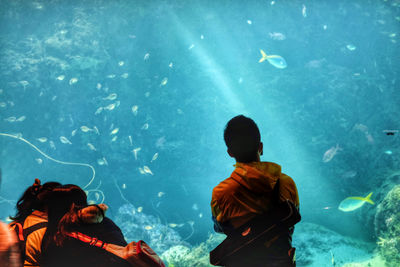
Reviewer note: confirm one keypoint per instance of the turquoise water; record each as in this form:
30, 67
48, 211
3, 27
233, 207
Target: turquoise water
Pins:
137, 93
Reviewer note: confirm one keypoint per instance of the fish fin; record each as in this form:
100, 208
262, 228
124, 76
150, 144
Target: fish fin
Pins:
263, 56
368, 199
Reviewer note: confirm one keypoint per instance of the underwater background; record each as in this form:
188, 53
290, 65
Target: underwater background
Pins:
129, 99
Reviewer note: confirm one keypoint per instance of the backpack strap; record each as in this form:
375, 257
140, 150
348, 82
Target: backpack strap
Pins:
33, 228
92, 241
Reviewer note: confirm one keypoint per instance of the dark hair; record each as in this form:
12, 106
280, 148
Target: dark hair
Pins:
242, 138
35, 197
63, 200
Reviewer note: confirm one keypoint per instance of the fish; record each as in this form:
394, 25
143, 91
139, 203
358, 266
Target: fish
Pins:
135, 152
145, 126
146, 56
277, 36
52, 145
111, 76
125, 75
148, 227
61, 77
139, 209
388, 152
160, 194
24, 83
351, 47
123, 186
11, 119
115, 131
249, 22
200, 215
130, 140
141, 171
96, 130
121, 63
42, 139
112, 96
110, 107
191, 47
304, 11
98, 86
114, 138
164, 81
147, 170
85, 129
98, 111
135, 110
202, 37
102, 161
65, 140
325, 27
39, 160
353, 203
172, 225
22, 118
170, 65
155, 156
330, 153
3, 104
91, 146
276, 61
73, 132
73, 81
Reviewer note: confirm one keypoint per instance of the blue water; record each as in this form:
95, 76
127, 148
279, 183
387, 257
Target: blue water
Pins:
180, 70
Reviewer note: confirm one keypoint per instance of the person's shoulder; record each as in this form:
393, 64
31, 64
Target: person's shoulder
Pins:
288, 189
225, 187
287, 180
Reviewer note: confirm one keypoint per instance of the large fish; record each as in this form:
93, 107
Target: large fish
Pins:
353, 203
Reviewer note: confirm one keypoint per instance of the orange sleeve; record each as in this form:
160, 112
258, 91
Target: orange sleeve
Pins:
288, 189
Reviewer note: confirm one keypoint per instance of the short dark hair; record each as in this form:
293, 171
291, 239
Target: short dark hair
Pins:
242, 137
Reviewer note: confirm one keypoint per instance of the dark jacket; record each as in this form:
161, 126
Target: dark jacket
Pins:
76, 253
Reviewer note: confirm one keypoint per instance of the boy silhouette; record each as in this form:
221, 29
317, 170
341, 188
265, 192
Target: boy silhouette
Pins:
249, 192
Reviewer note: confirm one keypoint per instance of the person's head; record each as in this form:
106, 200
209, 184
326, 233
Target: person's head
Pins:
243, 139
35, 197
63, 199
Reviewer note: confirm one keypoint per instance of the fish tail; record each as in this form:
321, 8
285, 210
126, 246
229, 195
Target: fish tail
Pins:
368, 199
263, 56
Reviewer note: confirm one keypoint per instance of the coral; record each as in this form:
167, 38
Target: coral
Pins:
182, 256
387, 227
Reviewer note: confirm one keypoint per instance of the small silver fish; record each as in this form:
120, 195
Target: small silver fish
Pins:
130, 140
85, 129
52, 145
135, 110
91, 147
114, 138
147, 170
98, 111
11, 119
98, 86
164, 81
73, 81
154, 157
171, 65
111, 76
141, 171
123, 186
65, 140
125, 75
110, 107
330, 153
61, 77
121, 63
102, 161
112, 96
42, 139
73, 132
96, 130
3, 104
22, 118
39, 160
135, 152
145, 126
146, 56
160, 194
115, 131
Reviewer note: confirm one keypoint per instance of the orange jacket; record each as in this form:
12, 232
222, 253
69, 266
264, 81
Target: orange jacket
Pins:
231, 202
